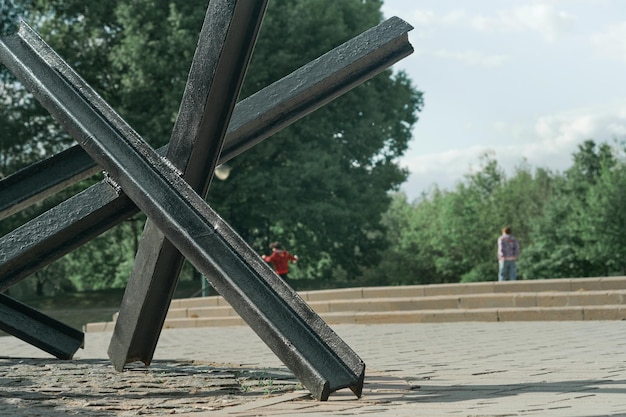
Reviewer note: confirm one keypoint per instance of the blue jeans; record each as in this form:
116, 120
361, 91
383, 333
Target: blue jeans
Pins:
507, 268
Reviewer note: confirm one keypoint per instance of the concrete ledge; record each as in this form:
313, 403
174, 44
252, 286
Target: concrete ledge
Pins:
490, 300
602, 298
421, 316
589, 284
211, 301
203, 322
490, 287
336, 294
105, 326
533, 285
463, 301
612, 283
541, 314
468, 288
400, 291
388, 304
175, 313
198, 312
606, 312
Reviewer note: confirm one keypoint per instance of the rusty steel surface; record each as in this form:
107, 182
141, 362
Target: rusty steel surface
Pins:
322, 361
224, 48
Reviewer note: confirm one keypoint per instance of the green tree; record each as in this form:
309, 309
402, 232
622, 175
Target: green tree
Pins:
450, 236
409, 253
561, 234
320, 186
605, 219
27, 134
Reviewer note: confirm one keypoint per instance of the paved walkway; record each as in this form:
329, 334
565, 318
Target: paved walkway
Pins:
573, 369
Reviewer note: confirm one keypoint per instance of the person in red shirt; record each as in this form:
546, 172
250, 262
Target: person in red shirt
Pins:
280, 259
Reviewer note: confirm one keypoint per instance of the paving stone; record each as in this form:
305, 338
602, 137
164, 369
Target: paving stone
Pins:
573, 369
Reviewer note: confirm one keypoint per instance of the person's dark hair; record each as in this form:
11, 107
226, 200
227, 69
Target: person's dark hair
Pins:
507, 230
275, 245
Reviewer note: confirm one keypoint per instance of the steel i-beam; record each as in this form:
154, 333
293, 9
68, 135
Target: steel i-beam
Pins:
99, 208
217, 70
38, 329
43, 179
254, 119
304, 343
53, 234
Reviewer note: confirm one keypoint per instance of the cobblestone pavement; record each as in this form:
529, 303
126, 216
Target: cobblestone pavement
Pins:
573, 369
43, 387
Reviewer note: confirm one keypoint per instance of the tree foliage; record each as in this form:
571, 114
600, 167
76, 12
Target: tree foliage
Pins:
563, 234
569, 225
326, 187
450, 236
320, 186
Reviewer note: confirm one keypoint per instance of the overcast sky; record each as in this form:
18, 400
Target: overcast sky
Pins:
524, 80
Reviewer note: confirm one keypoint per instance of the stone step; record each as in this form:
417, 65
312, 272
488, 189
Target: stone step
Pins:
574, 313
564, 285
464, 301
602, 298
570, 313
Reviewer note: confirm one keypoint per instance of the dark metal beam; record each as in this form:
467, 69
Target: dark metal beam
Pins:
60, 230
39, 330
38, 181
254, 119
86, 215
316, 355
219, 64
55, 233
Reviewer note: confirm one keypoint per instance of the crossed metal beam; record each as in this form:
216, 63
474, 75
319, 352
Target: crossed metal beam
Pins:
214, 81
321, 360
38, 329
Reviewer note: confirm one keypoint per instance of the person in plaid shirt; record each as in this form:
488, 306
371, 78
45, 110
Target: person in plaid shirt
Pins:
508, 251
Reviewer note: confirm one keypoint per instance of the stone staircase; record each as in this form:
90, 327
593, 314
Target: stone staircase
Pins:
602, 298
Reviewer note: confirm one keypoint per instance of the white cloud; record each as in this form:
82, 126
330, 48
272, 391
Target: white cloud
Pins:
422, 17
541, 17
474, 58
512, 73
455, 17
544, 19
416, 16
611, 42
549, 143
598, 123
443, 169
